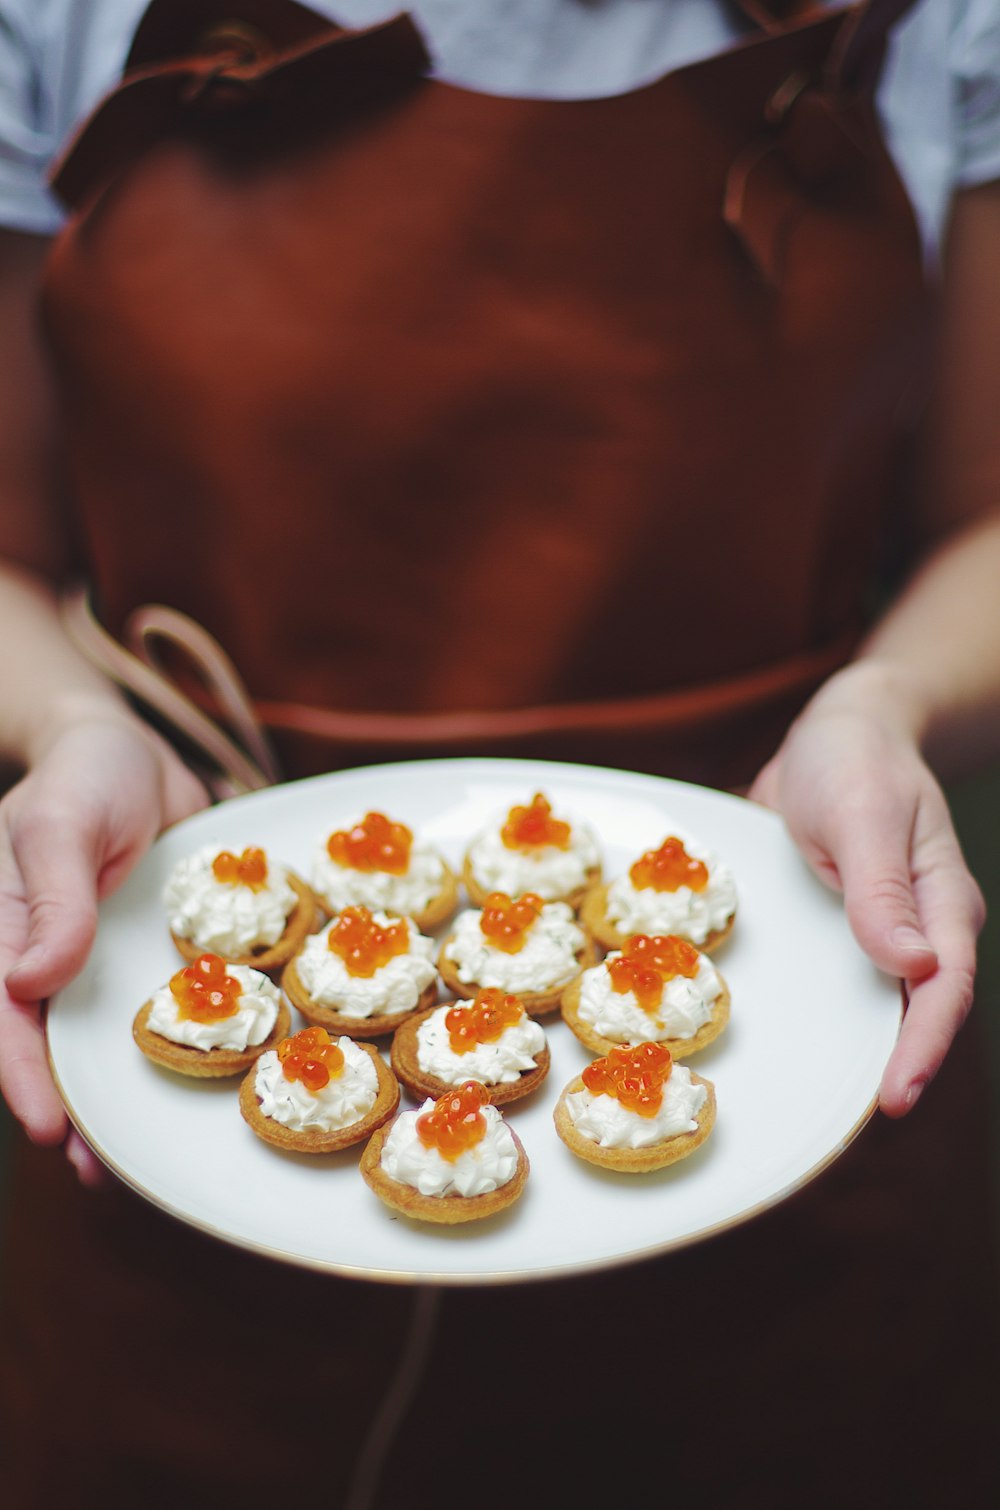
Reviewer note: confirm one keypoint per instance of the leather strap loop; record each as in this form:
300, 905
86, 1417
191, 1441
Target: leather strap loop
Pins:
245, 763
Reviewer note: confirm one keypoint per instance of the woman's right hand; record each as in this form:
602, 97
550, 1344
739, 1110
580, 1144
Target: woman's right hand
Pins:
70, 832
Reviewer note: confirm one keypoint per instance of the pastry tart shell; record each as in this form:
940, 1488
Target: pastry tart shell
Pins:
680, 1048
635, 1160
204, 1064
407, 1069
379, 1025
536, 1003
318, 1140
594, 917
270, 958
444, 1210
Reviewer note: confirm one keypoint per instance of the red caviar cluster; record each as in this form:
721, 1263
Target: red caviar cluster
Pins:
376, 843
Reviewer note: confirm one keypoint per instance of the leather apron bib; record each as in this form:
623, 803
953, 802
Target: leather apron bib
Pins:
469, 423
546, 428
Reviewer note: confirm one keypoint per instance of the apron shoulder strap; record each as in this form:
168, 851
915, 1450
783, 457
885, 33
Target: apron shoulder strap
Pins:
173, 29
858, 56
202, 62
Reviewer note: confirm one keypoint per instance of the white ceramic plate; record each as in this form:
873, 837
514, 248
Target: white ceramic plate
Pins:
796, 1072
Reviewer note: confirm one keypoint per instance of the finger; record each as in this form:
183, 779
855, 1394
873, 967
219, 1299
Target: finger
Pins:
952, 906
57, 862
938, 1006
25, 1081
90, 1171
872, 855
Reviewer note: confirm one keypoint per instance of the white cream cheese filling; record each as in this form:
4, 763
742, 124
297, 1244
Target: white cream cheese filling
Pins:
222, 918
487, 1166
347, 1097
548, 958
501, 1062
395, 987
692, 915
548, 871
341, 886
686, 1005
255, 1016
604, 1120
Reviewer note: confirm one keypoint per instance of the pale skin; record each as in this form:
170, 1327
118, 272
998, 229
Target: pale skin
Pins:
854, 778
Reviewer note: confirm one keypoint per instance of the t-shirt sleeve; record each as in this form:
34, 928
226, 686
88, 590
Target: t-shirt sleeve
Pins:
26, 148
975, 64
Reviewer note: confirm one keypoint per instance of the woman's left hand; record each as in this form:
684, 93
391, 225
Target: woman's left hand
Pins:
872, 821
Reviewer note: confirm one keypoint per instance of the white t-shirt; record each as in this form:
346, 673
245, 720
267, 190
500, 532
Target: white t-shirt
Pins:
939, 96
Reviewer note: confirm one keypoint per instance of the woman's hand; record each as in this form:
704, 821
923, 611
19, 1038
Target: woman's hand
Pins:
870, 818
70, 832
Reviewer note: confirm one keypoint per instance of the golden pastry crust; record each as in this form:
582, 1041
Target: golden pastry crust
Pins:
315, 1139
204, 1064
269, 958
594, 917
478, 894
444, 1210
536, 1003
437, 911
680, 1048
635, 1160
407, 1068
379, 1025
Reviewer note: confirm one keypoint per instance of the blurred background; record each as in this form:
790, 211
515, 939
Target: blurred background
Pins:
976, 804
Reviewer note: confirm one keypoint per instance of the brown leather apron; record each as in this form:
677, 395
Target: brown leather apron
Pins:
473, 423
477, 423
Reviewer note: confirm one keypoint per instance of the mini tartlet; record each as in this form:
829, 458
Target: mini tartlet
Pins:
212, 1020
363, 974
526, 946
381, 864
313, 1095
242, 907
660, 989
491, 1039
528, 849
485, 1170
601, 1129
678, 888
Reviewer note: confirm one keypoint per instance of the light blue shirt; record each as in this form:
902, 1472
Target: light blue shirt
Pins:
939, 96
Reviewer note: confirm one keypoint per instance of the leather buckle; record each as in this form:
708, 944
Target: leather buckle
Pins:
236, 37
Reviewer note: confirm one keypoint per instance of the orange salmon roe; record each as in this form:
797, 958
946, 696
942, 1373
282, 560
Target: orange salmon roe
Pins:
312, 1057
455, 1122
247, 869
669, 868
505, 922
635, 1077
204, 991
647, 963
483, 1020
364, 945
534, 826
376, 843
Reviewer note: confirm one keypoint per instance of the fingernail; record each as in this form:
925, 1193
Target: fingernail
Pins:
913, 1093
910, 941
24, 966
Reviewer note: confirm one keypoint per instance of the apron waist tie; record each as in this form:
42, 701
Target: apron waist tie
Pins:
230, 732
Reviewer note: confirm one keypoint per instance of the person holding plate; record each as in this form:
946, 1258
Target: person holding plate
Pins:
526, 378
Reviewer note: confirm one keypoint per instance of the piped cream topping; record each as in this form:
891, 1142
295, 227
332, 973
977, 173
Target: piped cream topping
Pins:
255, 1016
548, 958
230, 920
604, 1120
